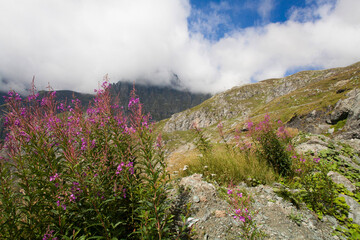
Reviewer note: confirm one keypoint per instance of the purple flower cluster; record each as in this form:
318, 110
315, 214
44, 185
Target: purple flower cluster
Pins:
53, 178
133, 102
75, 192
129, 166
81, 149
12, 96
49, 235
240, 205
58, 203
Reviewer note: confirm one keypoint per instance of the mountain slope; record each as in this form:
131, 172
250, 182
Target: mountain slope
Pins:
286, 98
160, 102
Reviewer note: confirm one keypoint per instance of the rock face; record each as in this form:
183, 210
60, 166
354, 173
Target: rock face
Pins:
349, 110
340, 179
211, 216
354, 211
318, 122
313, 143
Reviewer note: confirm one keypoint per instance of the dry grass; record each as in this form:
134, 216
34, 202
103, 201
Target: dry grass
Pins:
230, 166
178, 159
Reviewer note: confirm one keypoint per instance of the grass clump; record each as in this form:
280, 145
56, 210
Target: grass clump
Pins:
228, 162
224, 167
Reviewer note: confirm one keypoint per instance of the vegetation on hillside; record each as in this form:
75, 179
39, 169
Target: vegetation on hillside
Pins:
288, 97
266, 153
76, 175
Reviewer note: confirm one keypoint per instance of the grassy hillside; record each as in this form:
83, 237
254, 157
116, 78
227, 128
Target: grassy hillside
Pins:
283, 99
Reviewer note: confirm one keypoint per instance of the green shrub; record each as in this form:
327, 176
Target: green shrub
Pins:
75, 175
271, 145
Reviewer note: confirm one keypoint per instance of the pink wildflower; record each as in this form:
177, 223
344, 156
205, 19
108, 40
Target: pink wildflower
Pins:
133, 102
72, 198
53, 178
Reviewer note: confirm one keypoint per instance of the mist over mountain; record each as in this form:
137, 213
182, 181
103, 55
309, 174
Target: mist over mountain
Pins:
161, 102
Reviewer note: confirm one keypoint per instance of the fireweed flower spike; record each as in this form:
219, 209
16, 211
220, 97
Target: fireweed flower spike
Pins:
88, 161
132, 102
53, 178
243, 211
250, 125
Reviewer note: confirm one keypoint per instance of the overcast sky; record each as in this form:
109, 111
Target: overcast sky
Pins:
211, 46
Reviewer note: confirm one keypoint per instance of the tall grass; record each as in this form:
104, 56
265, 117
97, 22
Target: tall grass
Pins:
225, 167
229, 162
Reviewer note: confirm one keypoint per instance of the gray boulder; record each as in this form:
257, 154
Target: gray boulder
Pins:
349, 109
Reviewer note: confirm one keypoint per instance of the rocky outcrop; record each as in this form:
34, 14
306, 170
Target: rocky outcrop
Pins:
348, 109
340, 179
313, 143
354, 211
212, 219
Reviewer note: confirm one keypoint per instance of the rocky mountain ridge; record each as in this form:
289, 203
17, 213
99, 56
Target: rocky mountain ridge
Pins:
289, 97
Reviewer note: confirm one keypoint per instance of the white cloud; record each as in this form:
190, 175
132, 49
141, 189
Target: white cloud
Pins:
264, 9
72, 44
209, 20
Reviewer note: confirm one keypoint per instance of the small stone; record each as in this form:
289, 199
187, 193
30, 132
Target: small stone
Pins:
196, 199
191, 221
220, 213
203, 199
